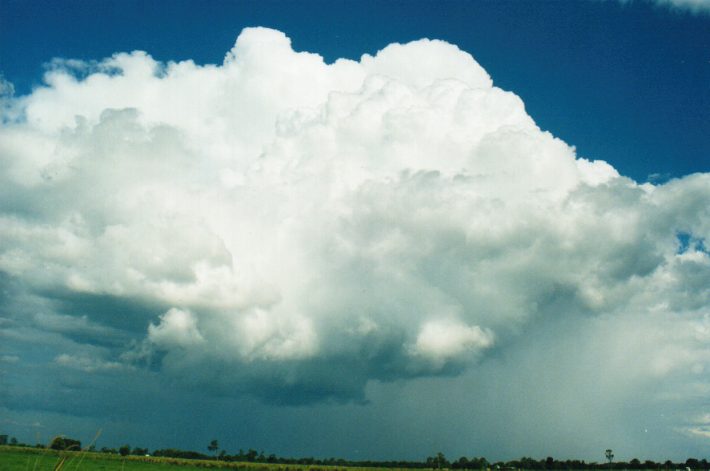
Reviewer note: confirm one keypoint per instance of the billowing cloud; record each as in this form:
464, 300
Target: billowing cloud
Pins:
177, 328
441, 341
299, 231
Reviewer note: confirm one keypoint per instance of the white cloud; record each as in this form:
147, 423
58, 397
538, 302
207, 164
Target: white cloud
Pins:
261, 334
177, 328
692, 5
441, 340
288, 217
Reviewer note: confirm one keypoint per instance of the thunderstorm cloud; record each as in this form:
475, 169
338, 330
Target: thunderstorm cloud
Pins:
305, 233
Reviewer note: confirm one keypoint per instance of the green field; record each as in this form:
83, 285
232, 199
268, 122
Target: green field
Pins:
38, 459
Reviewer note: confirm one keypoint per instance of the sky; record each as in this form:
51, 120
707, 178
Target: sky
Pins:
358, 229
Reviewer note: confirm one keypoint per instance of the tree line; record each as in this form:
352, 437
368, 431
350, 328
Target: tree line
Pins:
437, 461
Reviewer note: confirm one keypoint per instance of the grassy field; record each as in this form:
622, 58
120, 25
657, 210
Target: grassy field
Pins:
38, 459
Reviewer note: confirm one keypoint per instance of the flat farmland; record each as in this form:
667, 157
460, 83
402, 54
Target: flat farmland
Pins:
39, 459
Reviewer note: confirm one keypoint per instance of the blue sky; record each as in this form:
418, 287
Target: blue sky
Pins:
471, 227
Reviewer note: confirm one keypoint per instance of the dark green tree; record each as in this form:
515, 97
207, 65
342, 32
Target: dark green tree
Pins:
64, 443
438, 461
213, 446
125, 450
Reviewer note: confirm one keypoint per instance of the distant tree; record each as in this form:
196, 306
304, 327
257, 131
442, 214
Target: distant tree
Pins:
438, 461
64, 443
527, 462
125, 450
609, 456
479, 463
213, 446
3, 439
13, 441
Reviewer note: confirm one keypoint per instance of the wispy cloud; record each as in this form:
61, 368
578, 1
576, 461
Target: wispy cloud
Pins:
694, 6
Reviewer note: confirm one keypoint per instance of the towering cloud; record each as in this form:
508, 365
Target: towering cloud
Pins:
297, 230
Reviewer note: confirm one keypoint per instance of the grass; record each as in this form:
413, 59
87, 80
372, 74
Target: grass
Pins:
42, 459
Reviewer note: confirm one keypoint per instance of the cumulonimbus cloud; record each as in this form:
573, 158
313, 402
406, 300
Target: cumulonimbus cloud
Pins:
282, 220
